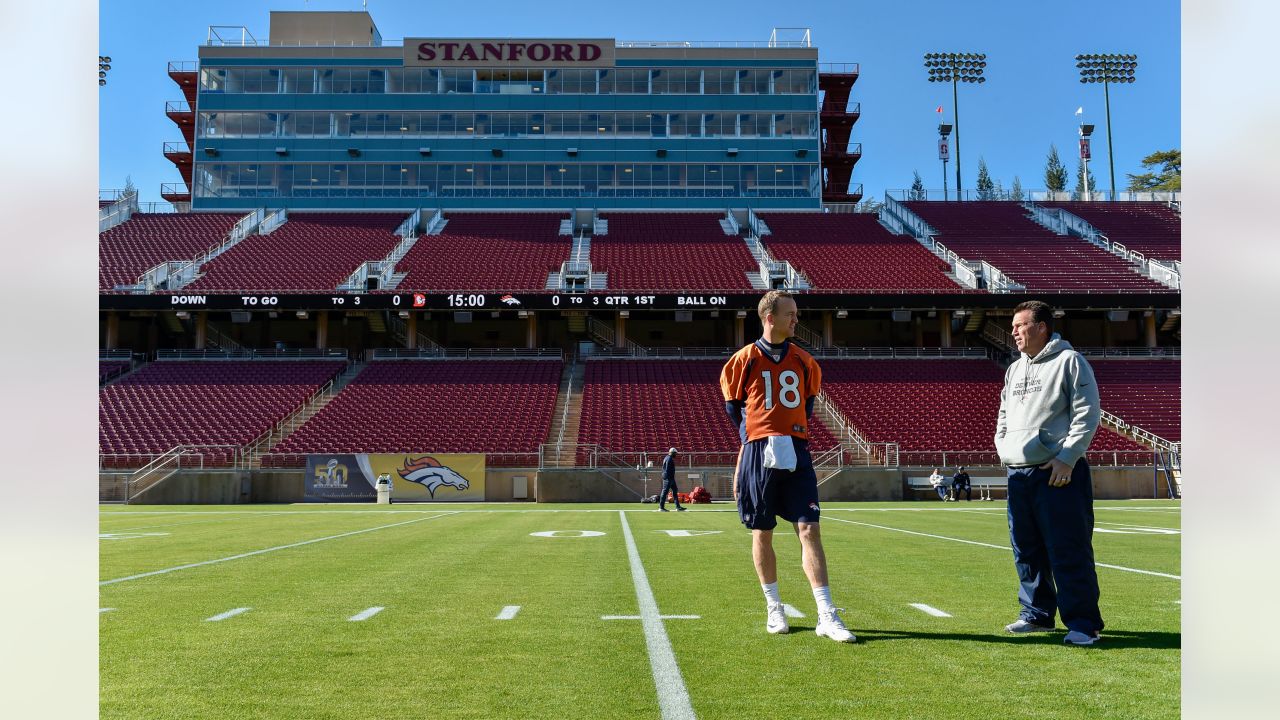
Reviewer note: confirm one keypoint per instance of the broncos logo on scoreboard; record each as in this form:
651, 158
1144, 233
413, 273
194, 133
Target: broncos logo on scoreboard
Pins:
429, 473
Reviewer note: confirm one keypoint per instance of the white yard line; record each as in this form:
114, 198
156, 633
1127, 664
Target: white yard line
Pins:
673, 698
998, 547
365, 614
104, 610
508, 612
262, 551
228, 614
791, 611
929, 610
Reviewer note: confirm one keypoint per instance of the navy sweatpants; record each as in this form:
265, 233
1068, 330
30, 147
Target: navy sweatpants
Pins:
1051, 530
669, 486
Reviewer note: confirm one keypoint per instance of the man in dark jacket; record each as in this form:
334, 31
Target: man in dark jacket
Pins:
669, 482
960, 481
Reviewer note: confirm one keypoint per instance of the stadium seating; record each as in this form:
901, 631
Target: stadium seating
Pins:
130, 249
671, 252
108, 369
172, 403
651, 405
312, 252
929, 405
1146, 393
437, 406
854, 252
1002, 234
1151, 228
487, 252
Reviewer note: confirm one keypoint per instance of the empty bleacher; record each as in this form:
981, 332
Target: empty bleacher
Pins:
207, 403
108, 369
130, 249
854, 252
487, 251
1002, 234
633, 406
312, 252
1152, 228
1146, 393
671, 252
928, 406
499, 407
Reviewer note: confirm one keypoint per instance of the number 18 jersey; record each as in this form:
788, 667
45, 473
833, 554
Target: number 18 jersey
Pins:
773, 387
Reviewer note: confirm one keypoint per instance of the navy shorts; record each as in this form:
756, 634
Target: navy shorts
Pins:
765, 494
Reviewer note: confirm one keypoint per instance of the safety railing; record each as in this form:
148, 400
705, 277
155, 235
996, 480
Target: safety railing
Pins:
177, 107
838, 68
659, 353
997, 281
183, 66
1171, 352
466, 354
255, 354
989, 458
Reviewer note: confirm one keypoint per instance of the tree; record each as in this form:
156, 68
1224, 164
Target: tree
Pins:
1015, 190
917, 187
1055, 175
868, 206
129, 188
1078, 193
1169, 176
986, 188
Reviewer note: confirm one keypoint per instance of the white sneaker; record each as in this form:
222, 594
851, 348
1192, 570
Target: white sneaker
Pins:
777, 622
831, 626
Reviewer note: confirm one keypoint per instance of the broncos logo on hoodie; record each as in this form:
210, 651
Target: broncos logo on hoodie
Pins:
429, 473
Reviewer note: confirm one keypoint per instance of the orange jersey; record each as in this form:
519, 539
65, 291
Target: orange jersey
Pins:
774, 391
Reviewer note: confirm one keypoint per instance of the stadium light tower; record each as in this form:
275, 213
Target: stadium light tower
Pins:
104, 64
1107, 69
956, 68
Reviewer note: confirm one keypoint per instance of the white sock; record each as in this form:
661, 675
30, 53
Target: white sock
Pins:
771, 593
822, 596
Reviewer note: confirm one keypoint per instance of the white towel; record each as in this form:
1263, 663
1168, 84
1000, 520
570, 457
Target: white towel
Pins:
780, 452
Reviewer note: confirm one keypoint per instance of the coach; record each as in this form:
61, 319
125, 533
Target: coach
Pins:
1049, 412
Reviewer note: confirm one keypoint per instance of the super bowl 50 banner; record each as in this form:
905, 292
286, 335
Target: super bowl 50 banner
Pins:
414, 477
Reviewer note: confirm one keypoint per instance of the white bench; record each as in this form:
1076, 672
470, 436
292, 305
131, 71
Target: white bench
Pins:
983, 484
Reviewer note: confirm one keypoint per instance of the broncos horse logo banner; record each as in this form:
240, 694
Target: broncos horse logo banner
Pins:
429, 476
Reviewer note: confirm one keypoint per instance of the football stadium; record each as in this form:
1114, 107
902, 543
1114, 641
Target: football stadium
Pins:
387, 382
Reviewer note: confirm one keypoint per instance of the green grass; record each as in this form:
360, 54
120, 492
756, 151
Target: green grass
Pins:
437, 651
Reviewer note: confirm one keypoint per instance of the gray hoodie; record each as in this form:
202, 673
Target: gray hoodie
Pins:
1049, 407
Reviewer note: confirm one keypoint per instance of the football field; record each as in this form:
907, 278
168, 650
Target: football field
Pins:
612, 611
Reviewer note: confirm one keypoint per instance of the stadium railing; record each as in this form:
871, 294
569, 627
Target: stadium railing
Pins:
989, 458
465, 354
254, 354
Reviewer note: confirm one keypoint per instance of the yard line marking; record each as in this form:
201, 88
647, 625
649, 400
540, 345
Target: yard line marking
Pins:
228, 614
508, 612
929, 610
663, 617
1002, 547
260, 552
104, 610
365, 614
791, 611
673, 698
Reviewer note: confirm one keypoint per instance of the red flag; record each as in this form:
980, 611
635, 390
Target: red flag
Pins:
939, 108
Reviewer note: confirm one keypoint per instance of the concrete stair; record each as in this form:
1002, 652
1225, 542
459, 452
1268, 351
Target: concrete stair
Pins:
566, 421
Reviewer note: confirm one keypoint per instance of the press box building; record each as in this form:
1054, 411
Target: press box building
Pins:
324, 114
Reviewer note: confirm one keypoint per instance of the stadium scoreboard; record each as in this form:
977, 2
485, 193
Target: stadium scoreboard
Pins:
615, 300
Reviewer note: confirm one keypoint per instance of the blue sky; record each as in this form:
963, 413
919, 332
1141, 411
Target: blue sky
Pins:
1028, 101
